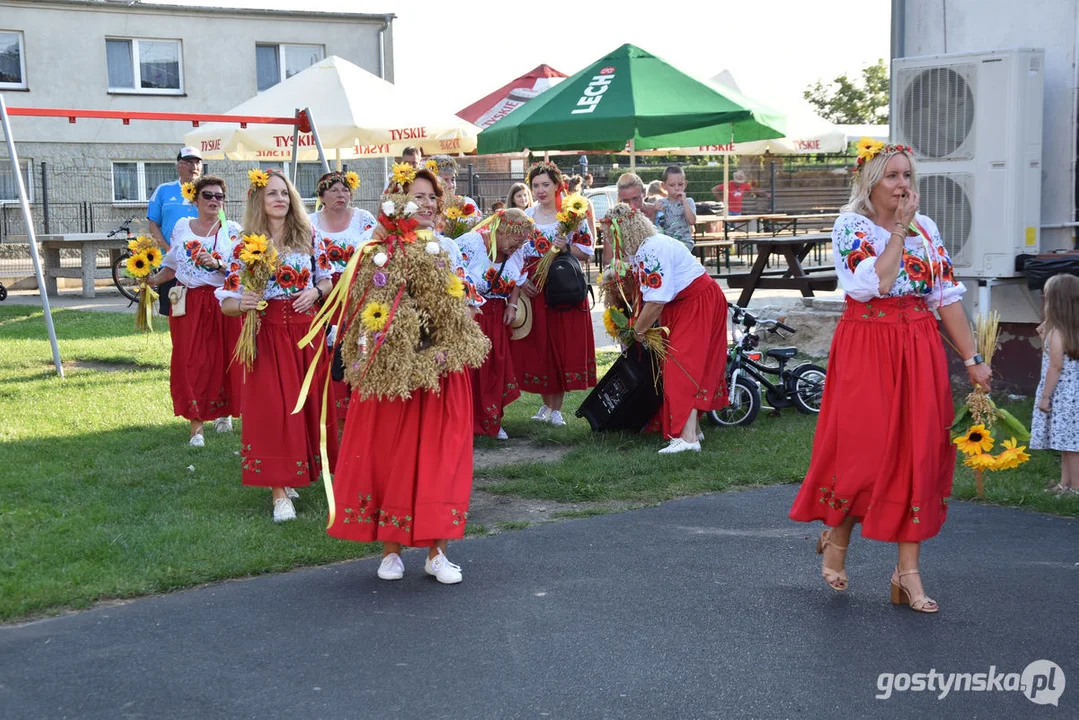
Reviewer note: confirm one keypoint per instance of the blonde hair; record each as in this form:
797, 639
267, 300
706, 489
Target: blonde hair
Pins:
1061, 295
514, 189
867, 177
298, 237
655, 188
633, 227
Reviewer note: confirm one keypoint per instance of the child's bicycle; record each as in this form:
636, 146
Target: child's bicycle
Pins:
748, 374
123, 282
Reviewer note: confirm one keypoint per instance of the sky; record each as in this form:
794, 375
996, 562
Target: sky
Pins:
773, 48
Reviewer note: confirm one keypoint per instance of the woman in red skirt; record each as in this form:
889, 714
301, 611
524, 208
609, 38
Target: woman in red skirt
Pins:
281, 450
497, 275
405, 472
559, 354
340, 228
204, 384
882, 454
676, 290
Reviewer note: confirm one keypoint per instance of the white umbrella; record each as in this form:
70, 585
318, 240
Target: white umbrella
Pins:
356, 115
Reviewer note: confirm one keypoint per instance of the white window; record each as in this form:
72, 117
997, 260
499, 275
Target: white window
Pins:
307, 175
275, 63
136, 180
9, 191
12, 61
144, 66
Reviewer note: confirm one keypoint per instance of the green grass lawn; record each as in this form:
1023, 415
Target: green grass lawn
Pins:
102, 498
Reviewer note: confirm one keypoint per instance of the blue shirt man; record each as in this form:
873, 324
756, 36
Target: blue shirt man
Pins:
167, 204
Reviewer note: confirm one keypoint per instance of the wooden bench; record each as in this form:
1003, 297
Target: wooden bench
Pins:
708, 241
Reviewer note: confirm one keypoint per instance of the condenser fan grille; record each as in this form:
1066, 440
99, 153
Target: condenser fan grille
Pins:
946, 199
937, 113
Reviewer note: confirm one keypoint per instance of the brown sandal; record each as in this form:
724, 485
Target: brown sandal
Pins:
836, 579
900, 595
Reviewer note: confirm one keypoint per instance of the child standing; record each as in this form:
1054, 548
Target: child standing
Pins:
1055, 425
679, 210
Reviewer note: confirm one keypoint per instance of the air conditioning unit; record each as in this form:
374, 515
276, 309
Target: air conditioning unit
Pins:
974, 121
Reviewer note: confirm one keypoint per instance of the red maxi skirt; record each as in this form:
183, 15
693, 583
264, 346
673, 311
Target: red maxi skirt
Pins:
203, 382
280, 449
559, 354
694, 372
494, 384
882, 451
405, 473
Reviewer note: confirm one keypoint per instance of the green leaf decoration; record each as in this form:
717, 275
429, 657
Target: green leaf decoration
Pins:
1014, 426
960, 416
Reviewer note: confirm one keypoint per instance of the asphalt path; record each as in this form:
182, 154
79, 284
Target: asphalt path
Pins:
708, 607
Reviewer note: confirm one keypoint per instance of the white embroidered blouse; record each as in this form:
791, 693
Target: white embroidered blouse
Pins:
186, 246
484, 272
664, 267
857, 242
296, 271
581, 237
335, 248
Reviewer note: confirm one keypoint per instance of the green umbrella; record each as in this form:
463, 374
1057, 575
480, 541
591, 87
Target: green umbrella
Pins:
631, 96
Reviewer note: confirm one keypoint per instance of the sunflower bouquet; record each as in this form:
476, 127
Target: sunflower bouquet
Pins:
978, 418
260, 261
620, 328
145, 258
460, 217
574, 211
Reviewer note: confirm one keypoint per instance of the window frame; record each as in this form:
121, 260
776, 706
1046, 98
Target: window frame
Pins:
282, 66
26, 167
140, 179
24, 85
285, 166
136, 68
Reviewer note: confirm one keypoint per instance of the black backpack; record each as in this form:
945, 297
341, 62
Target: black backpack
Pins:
566, 285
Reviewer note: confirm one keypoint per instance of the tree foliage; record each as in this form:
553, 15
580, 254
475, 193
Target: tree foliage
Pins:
844, 101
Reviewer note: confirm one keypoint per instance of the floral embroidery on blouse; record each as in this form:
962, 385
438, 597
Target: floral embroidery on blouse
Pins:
484, 273
335, 249
186, 246
649, 272
297, 271
581, 237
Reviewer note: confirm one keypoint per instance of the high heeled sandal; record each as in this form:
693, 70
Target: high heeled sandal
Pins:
900, 595
836, 579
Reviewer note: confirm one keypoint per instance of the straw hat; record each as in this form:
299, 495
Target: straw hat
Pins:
522, 324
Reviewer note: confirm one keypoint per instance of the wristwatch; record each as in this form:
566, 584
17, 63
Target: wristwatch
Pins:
976, 360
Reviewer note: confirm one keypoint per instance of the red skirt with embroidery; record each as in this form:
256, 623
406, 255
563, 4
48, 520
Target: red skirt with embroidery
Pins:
278, 448
694, 372
559, 354
494, 385
204, 383
405, 473
882, 451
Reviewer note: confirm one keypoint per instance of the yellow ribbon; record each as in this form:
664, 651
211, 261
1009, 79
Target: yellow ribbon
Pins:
494, 220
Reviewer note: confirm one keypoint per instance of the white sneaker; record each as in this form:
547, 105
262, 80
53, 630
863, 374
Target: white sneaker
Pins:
678, 445
444, 571
292, 494
544, 414
283, 510
700, 435
392, 567
502, 435
197, 441
557, 419
223, 424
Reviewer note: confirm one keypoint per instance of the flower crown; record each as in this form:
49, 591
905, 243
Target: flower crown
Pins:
432, 165
444, 162
868, 148
402, 174
350, 179
543, 166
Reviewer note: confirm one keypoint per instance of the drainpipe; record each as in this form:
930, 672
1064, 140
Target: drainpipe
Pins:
899, 29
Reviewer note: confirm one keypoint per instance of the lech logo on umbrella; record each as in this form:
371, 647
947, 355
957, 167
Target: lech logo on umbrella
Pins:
606, 71
593, 93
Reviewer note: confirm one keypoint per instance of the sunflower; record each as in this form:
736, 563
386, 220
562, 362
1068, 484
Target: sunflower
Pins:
563, 217
352, 179
455, 287
403, 173
432, 166
576, 204
254, 248
188, 191
138, 266
1013, 456
982, 461
375, 315
453, 213
868, 148
608, 323
258, 178
153, 256
976, 440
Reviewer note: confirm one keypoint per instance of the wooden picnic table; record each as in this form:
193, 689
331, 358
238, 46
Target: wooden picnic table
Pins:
793, 249
789, 223
87, 244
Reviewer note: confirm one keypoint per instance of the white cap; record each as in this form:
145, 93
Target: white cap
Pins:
188, 152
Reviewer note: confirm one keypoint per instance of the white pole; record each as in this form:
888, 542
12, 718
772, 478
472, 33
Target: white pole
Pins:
295, 146
338, 168
24, 201
726, 183
318, 141
632, 155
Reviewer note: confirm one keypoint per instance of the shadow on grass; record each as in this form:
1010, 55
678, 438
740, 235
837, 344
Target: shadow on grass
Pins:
23, 322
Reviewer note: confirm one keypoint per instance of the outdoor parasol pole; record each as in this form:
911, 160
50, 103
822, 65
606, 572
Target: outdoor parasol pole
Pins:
29, 220
295, 146
338, 168
318, 141
726, 183
633, 155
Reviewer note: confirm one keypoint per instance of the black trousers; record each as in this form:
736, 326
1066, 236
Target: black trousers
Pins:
164, 306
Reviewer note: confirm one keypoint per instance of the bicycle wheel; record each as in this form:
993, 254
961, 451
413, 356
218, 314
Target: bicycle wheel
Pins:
807, 381
124, 283
3, 293
745, 404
